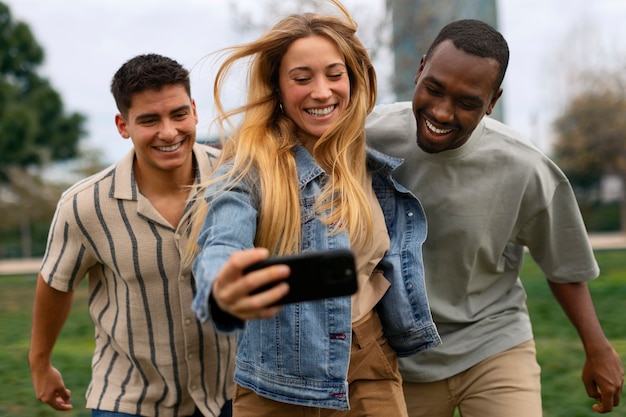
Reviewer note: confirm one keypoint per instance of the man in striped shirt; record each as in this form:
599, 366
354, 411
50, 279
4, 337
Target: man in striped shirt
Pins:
125, 229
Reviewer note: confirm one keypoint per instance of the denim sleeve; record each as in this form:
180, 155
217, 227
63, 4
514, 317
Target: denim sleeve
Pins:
229, 226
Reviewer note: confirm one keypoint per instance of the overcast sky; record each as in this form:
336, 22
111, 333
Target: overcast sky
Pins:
86, 41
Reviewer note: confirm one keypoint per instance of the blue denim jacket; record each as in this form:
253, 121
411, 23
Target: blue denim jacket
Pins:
301, 356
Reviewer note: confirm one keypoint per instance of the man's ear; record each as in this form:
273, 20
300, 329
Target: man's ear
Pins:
121, 124
194, 109
494, 100
419, 69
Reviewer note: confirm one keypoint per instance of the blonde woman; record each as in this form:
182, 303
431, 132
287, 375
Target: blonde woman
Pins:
295, 177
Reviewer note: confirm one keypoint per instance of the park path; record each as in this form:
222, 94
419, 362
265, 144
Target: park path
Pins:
31, 265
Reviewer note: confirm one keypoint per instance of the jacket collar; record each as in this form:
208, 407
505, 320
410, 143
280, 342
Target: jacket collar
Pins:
308, 169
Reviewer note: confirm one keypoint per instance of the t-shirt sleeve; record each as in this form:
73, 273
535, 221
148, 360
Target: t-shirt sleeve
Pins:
558, 240
67, 260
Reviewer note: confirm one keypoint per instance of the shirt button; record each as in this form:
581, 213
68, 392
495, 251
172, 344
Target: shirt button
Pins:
410, 214
187, 322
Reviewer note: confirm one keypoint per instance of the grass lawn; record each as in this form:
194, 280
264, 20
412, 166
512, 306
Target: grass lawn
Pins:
559, 350
72, 354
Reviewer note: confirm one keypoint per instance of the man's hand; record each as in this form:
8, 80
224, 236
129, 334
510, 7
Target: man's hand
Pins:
603, 376
50, 389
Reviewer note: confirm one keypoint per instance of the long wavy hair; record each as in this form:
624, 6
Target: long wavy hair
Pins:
262, 142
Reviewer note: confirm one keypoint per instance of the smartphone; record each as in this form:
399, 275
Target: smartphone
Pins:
314, 275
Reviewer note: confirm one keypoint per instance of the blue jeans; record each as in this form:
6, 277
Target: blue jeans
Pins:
227, 411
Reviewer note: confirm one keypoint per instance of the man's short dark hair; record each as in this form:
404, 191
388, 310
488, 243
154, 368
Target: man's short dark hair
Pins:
146, 72
476, 38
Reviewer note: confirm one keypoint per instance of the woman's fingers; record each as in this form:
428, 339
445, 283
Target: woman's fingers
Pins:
252, 295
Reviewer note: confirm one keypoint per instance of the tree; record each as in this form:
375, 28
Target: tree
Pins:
35, 132
26, 208
34, 129
591, 134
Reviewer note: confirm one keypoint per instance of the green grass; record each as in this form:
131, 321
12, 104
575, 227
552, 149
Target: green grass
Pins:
72, 354
558, 348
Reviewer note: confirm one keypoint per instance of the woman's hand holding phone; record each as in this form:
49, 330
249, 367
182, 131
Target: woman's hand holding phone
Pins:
234, 291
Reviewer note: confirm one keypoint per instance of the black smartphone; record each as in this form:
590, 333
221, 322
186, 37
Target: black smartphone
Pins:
314, 275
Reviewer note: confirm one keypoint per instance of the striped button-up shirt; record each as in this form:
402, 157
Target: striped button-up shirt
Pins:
152, 356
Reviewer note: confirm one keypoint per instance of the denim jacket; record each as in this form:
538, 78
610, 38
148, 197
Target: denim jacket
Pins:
301, 356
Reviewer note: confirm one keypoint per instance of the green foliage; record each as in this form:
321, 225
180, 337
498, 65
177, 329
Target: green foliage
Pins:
20, 53
35, 132
11, 241
26, 209
601, 217
34, 129
559, 350
591, 135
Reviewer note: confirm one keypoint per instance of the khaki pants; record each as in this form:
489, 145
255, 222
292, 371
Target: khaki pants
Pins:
375, 384
507, 384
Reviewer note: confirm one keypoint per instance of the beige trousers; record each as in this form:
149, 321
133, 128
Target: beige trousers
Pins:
505, 385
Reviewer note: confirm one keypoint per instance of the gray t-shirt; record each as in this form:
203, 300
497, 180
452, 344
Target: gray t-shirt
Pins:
484, 203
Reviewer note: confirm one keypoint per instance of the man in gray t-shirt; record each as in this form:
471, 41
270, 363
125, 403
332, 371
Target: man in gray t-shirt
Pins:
487, 194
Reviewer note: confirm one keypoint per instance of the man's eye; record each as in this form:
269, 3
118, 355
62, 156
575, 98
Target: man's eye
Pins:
468, 105
432, 91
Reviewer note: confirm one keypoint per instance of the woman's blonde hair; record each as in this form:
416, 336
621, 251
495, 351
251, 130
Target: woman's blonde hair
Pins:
264, 139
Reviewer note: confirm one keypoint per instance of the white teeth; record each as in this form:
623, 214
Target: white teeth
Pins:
436, 130
320, 112
169, 148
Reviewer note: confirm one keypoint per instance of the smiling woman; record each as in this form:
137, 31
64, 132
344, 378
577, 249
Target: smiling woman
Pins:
295, 177
314, 92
